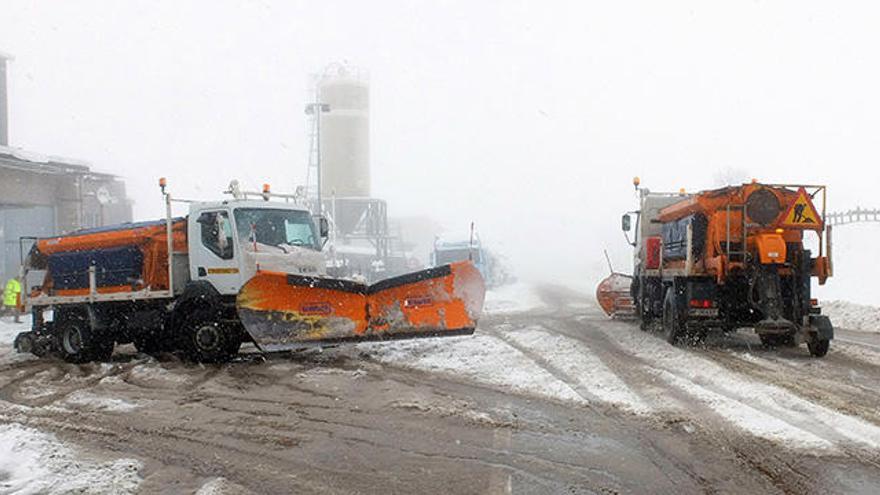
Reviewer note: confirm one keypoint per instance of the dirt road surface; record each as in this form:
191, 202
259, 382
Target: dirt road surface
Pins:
547, 397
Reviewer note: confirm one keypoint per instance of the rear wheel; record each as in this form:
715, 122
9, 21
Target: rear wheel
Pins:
207, 340
78, 343
672, 324
819, 348
24, 343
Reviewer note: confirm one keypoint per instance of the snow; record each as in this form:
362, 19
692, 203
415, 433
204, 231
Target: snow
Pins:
577, 361
746, 417
8, 331
89, 400
852, 316
32, 462
755, 406
517, 297
34, 157
481, 358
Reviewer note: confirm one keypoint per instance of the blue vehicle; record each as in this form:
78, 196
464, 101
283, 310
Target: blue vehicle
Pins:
446, 251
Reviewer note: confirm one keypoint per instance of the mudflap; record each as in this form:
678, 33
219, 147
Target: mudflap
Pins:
282, 311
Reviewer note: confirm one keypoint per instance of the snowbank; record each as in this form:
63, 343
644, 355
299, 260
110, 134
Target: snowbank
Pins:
32, 462
852, 316
517, 297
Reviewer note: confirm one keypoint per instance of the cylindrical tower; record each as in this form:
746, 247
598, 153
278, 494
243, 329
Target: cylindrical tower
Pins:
345, 133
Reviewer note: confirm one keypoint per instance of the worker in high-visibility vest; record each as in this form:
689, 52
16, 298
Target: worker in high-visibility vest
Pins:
11, 295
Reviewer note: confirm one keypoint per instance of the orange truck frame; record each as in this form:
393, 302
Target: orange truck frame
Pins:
730, 258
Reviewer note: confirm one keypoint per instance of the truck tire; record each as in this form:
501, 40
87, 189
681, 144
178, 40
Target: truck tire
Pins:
24, 343
672, 324
819, 348
207, 340
78, 343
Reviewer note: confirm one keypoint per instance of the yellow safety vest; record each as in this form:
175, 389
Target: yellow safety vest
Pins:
10, 294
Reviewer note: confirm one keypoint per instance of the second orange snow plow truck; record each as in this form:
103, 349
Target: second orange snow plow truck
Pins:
730, 258
241, 269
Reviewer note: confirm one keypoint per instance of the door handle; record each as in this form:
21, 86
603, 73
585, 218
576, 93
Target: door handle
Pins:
202, 271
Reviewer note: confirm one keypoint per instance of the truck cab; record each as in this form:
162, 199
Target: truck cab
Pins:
230, 240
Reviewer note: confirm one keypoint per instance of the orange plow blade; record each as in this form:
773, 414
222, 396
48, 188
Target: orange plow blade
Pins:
282, 311
614, 296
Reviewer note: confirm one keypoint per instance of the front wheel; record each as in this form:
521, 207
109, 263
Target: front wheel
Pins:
208, 340
819, 348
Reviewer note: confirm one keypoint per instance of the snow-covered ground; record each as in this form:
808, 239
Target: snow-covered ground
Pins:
656, 378
512, 298
8, 331
852, 316
32, 462
481, 358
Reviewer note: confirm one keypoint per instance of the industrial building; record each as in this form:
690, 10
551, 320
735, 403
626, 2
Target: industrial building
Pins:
338, 182
42, 195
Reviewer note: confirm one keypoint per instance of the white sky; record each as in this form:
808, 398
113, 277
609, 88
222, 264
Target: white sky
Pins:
529, 118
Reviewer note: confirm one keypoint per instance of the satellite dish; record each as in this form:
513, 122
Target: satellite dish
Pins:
103, 196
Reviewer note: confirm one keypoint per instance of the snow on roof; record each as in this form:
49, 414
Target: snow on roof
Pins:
34, 157
457, 238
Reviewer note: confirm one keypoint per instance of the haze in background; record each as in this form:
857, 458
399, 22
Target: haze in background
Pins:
529, 118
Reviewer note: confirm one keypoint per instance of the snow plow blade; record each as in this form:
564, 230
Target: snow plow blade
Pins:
282, 311
614, 296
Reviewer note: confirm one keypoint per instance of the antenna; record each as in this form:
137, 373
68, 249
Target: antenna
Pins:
608, 259
471, 244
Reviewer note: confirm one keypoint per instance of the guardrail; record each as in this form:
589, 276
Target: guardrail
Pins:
853, 216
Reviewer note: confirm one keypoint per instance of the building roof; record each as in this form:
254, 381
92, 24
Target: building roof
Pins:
29, 161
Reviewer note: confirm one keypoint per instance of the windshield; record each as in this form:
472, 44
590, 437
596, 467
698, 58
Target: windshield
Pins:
276, 227
445, 256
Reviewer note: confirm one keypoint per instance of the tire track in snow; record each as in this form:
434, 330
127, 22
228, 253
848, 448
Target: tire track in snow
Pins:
727, 390
482, 358
574, 363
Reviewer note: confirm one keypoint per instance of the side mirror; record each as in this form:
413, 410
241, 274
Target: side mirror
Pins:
626, 223
324, 226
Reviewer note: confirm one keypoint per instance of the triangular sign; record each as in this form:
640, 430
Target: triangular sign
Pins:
802, 214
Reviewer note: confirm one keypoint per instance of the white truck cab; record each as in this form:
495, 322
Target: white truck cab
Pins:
230, 240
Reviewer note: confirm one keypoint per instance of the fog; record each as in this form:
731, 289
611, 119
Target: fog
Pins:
528, 118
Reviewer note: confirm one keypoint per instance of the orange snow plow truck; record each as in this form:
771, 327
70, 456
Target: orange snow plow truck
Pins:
730, 258
243, 269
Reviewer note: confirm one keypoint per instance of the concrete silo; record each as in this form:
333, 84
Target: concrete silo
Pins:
345, 133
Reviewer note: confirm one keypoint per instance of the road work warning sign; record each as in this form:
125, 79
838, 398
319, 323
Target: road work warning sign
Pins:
802, 214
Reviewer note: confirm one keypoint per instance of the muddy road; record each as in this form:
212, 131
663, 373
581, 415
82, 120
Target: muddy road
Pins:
546, 399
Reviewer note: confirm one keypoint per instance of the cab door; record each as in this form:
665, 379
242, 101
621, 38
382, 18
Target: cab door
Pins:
213, 256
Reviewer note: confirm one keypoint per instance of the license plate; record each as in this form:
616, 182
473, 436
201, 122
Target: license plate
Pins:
710, 312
